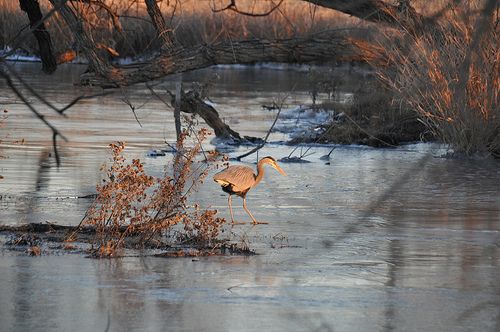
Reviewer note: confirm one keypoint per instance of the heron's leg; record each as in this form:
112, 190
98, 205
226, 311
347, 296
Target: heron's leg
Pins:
229, 200
248, 211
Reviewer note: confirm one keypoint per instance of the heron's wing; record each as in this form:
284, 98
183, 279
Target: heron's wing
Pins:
240, 178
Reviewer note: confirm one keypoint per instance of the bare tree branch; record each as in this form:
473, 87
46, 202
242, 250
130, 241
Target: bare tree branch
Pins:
84, 39
233, 7
165, 34
375, 11
114, 17
20, 95
261, 145
61, 111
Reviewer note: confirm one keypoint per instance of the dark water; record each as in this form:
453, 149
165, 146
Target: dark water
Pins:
395, 239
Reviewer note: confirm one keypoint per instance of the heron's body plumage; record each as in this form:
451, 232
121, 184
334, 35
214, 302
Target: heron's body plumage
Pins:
238, 180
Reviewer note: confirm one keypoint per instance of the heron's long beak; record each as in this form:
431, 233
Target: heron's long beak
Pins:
279, 169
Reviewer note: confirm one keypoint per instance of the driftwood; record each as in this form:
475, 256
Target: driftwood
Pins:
46, 238
36, 228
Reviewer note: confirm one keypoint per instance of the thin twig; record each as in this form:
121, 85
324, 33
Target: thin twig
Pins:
27, 103
54, 145
367, 133
114, 17
260, 146
132, 108
233, 7
61, 111
55, 131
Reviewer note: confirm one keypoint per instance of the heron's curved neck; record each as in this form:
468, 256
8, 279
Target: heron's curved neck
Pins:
260, 172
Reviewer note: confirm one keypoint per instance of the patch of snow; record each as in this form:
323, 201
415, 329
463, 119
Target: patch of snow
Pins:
304, 121
224, 145
21, 56
18, 55
269, 65
210, 103
127, 61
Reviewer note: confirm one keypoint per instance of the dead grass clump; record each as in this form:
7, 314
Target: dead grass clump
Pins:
450, 77
30, 242
370, 117
132, 204
34, 251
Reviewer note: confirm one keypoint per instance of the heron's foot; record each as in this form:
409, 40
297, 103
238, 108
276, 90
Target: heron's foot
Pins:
255, 222
238, 223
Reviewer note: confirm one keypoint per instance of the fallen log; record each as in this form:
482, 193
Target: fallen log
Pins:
192, 103
327, 46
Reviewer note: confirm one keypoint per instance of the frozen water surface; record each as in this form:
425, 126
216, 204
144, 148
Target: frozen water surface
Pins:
376, 239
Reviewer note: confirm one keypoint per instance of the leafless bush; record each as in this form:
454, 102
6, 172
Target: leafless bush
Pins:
131, 203
452, 80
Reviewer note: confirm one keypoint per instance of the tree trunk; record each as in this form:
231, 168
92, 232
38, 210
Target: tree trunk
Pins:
97, 64
165, 34
32, 9
400, 16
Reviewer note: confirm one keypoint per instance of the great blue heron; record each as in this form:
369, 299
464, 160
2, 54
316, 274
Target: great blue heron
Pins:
238, 180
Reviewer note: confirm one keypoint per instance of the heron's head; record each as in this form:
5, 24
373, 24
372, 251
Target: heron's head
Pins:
271, 161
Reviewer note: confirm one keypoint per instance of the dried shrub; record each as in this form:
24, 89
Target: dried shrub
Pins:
450, 76
132, 204
368, 115
203, 227
34, 251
